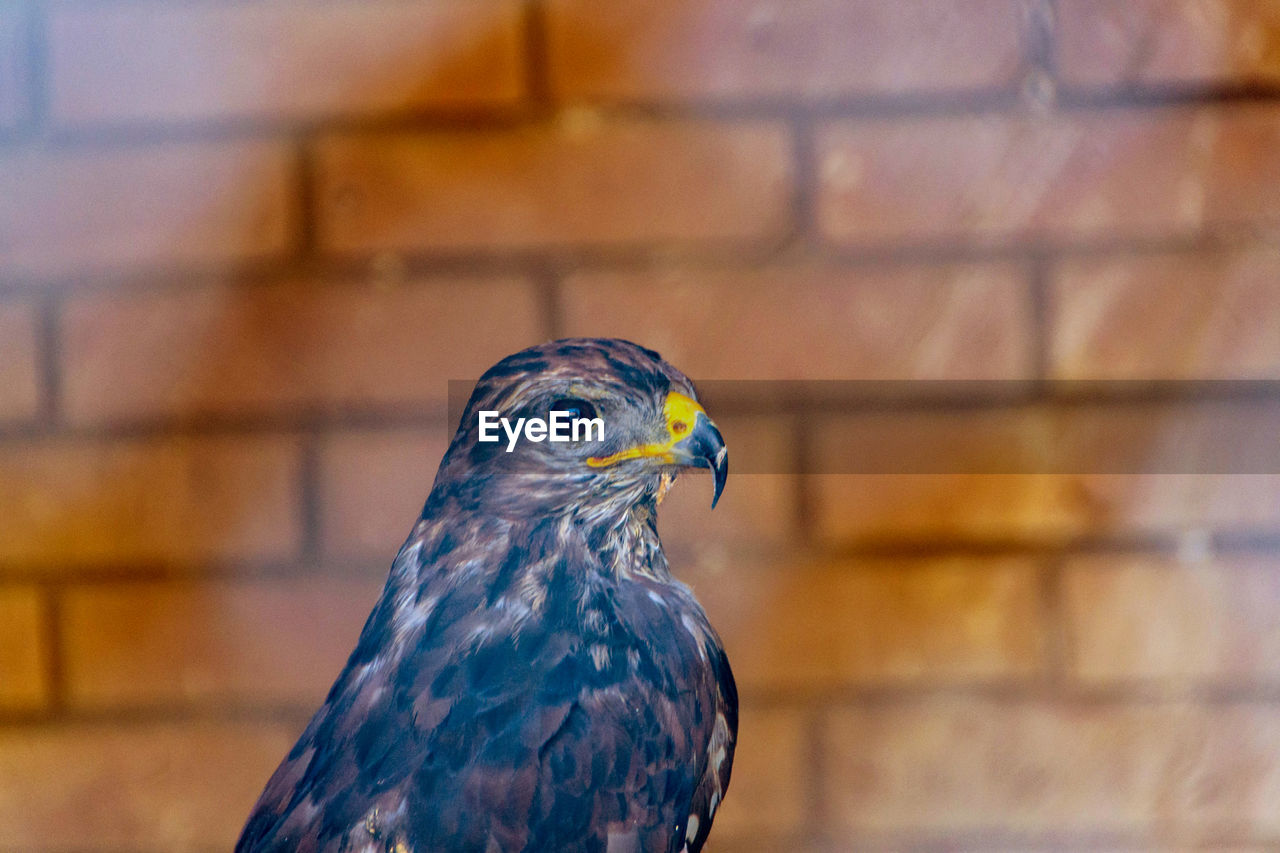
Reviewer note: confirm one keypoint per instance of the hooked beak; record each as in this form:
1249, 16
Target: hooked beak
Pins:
692, 440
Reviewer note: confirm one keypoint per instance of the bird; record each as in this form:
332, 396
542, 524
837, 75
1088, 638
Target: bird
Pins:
532, 677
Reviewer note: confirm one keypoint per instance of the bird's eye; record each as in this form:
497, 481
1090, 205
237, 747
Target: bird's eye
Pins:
574, 407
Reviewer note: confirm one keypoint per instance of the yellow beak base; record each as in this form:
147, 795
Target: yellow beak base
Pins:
680, 413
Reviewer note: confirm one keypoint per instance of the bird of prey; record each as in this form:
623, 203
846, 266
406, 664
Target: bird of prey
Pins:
532, 678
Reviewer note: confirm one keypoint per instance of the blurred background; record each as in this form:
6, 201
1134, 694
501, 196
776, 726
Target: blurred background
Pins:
244, 246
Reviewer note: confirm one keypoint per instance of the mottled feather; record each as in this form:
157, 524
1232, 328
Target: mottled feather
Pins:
532, 677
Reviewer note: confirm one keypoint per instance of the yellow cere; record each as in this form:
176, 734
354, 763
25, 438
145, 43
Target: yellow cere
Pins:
680, 413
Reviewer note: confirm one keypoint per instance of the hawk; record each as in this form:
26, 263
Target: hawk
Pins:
532, 678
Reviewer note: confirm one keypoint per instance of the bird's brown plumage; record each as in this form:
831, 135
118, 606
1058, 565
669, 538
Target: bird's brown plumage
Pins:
532, 677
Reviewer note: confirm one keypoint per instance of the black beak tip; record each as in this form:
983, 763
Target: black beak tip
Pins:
704, 448
720, 471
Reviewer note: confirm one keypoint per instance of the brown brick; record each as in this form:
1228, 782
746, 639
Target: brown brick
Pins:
1039, 508
1171, 316
1183, 503
756, 511
876, 622
1175, 436
980, 842
280, 62
189, 203
148, 787
13, 71
239, 350
23, 677
886, 507
735, 48
1161, 42
19, 383
816, 322
547, 185
958, 765
151, 501
769, 788
1109, 469
992, 179
372, 487
950, 488
1146, 617
1191, 845
755, 842
249, 641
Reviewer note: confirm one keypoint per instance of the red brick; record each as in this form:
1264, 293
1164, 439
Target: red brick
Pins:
373, 486
769, 789
247, 641
958, 765
19, 382
241, 350
178, 500
1169, 316
756, 511
816, 322
189, 203
1147, 618
581, 180
13, 70
1159, 42
280, 62
735, 48
23, 677
993, 179
807, 626
149, 787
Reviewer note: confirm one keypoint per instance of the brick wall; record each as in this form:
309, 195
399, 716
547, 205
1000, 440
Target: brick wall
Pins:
243, 247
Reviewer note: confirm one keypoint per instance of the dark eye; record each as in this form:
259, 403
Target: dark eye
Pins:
575, 407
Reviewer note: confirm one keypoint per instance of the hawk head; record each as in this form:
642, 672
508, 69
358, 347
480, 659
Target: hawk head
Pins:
639, 423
